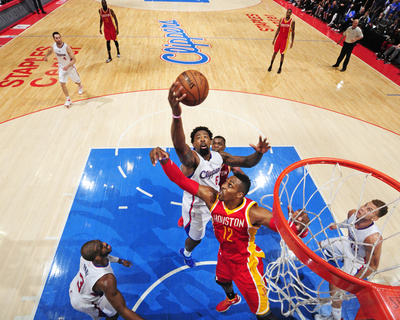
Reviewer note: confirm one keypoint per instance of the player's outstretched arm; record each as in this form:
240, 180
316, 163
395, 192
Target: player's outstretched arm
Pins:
207, 194
262, 217
108, 285
247, 161
186, 155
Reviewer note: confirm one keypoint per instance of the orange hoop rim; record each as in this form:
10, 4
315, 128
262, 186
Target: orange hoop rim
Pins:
321, 267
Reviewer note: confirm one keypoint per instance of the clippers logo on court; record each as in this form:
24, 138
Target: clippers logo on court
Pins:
181, 48
26, 68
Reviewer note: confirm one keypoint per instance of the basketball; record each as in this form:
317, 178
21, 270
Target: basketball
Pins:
195, 85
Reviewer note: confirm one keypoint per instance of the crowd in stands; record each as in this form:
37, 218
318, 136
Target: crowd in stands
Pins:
382, 16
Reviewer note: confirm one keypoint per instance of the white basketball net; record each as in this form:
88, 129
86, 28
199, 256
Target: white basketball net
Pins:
340, 189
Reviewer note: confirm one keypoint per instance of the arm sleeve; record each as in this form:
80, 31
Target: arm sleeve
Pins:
176, 176
113, 259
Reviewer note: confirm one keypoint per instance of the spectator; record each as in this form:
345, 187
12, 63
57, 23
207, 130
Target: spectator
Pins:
392, 41
364, 20
391, 54
394, 8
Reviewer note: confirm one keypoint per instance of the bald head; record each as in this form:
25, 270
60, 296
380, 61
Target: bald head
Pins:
89, 250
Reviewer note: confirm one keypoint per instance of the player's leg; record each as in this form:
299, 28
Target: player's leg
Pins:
276, 49
272, 60
73, 74
117, 46
280, 64
252, 285
63, 76
108, 51
223, 277
195, 229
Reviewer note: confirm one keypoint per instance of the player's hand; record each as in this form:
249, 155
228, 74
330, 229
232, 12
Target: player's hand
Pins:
101, 32
126, 263
262, 145
45, 58
291, 45
174, 98
117, 32
333, 226
65, 68
158, 154
300, 219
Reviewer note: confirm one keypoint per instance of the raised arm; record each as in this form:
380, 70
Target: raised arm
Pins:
207, 194
247, 161
186, 155
372, 255
108, 285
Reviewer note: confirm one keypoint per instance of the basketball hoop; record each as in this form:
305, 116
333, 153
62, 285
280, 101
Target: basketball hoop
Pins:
337, 191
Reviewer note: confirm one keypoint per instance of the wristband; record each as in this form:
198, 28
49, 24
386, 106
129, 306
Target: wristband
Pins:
176, 117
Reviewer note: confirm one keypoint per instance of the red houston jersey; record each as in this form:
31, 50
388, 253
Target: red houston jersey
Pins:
234, 231
285, 28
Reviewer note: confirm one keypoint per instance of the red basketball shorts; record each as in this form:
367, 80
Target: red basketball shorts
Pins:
281, 45
248, 277
110, 34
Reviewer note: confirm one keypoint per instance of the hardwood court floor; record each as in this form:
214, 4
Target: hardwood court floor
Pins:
43, 153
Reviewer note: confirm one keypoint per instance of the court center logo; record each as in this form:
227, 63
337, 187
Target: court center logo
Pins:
181, 48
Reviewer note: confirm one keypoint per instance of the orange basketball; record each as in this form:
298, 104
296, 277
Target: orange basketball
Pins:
195, 85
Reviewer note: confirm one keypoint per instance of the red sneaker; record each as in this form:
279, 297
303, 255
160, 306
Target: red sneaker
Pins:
180, 222
225, 304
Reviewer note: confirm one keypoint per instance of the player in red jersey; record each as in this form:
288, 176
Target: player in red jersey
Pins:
110, 29
281, 38
219, 144
236, 220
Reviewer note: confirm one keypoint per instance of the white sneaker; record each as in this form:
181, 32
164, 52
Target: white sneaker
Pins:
108, 60
68, 102
118, 55
321, 317
80, 89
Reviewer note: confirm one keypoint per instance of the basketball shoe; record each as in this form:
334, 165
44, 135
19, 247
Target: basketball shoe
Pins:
119, 55
68, 102
80, 89
188, 260
108, 60
226, 304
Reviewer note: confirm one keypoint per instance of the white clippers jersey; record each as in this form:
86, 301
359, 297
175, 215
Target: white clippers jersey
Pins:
63, 57
358, 236
82, 284
207, 173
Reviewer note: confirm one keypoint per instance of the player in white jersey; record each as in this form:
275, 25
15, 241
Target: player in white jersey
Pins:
94, 289
66, 65
360, 251
196, 218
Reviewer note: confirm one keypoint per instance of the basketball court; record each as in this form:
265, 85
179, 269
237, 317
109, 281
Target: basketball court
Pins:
72, 175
